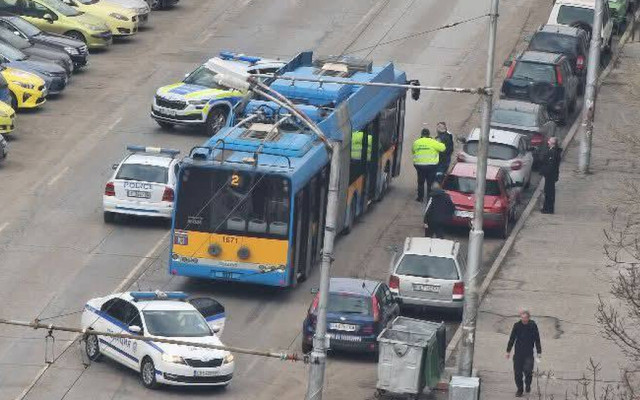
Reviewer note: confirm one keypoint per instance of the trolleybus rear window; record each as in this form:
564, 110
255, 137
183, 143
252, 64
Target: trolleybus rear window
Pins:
233, 202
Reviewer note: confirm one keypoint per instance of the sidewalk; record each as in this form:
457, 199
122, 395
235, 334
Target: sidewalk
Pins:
557, 268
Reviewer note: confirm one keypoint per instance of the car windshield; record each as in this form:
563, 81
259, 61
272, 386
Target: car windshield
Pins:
203, 76
25, 27
568, 15
497, 151
554, 43
467, 185
12, 53
176, 323
61, 7
534, 72
141, 172
428, 267
233, 202
346, 303
12, 39
513, 117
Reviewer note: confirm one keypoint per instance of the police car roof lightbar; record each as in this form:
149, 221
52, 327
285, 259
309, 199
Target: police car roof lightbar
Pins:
229, 55
155, 150
158, 295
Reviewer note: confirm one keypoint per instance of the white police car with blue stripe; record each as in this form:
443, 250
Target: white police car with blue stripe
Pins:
160, 315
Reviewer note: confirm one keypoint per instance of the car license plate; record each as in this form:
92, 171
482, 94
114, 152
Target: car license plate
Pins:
343, 327
345, 338
464, 214
426, 288
204, 373
139, 194
170, 112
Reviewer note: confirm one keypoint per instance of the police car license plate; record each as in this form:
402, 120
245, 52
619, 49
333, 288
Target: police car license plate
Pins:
346, 338
169, 112
343, 327
426, 288
139, 194
464, 214
204, 373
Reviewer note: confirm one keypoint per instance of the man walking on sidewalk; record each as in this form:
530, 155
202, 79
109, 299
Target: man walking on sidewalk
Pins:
551, 171
425, 159
525, 336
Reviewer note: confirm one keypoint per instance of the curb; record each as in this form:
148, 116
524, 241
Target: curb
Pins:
508, 244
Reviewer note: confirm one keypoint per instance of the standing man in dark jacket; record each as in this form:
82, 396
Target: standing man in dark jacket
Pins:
525, 336
438, 212
551, 171
445, 157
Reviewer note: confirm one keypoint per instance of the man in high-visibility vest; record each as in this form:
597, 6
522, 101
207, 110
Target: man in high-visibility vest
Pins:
426, 156
357, 141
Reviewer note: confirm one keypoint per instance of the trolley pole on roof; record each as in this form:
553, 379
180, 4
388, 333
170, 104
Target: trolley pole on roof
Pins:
476, 235
589, 107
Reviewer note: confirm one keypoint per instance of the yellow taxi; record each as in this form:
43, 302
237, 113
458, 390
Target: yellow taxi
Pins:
120, 20
27, 90
7, 118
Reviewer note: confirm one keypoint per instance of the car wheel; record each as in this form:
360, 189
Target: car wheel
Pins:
77, 36
109, 217
14, 102
165, 125
148, 373
216, 120
92, 348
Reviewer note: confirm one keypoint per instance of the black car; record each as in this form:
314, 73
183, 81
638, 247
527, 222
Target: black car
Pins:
76, 49
543, 78
55, 75
161, 4
573, 42
357, 311
529, 119
36, 52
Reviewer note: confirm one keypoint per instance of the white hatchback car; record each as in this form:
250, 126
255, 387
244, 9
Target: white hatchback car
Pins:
158, 314
506, 149
143, 184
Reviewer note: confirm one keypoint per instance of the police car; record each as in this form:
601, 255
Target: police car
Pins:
199, 101
170, 315
143, 184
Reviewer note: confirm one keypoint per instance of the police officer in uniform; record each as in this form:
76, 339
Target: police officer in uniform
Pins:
426, 156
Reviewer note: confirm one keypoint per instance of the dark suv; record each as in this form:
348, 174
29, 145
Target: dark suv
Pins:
543, 78
570, 41
357, 311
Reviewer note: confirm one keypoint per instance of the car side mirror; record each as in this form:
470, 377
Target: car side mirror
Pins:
216, 329
186, 75
48, 17
114, 166
135, 329
315, 290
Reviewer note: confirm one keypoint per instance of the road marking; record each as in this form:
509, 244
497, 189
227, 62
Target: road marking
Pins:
128, 281
113, 125
4, 226
58, 176
205, 38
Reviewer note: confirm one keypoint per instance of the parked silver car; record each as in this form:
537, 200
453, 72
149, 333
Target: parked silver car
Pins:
429, 273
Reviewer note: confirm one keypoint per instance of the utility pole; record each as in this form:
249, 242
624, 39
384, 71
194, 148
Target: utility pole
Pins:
318, 359
589, 108
476, 235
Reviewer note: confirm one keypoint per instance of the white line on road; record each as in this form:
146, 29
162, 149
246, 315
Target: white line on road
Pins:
113, 125
58, 176
4, 226
128, 281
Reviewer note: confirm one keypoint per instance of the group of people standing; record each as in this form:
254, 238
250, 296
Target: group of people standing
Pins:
431, 157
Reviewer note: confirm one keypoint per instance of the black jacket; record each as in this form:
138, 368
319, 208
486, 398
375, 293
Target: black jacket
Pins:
551, 163
525, 337
445, 156
440, 208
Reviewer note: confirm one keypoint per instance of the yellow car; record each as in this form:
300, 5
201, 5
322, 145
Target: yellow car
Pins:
120, 20
54, 16
7, 118
27, 90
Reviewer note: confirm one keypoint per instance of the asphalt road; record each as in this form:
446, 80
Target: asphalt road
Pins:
55, 251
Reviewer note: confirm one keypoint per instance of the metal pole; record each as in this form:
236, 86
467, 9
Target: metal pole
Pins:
590, 91
476, 236
318, 357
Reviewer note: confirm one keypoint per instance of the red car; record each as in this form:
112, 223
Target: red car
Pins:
501, 199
